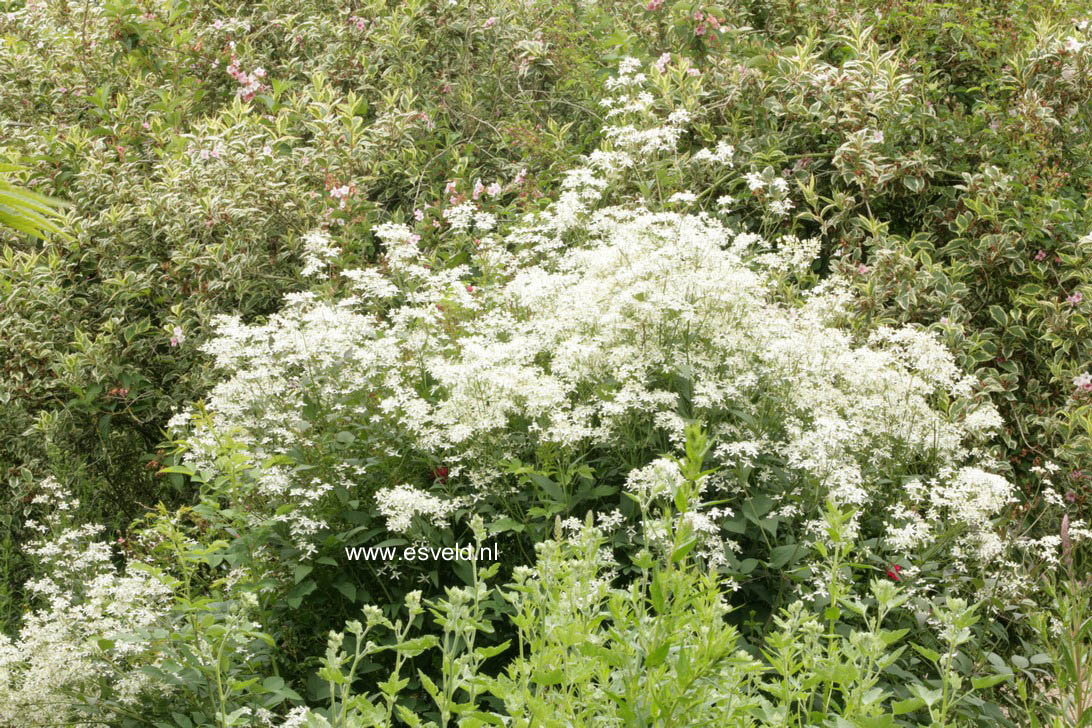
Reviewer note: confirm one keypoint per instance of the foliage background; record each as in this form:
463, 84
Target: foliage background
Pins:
940, 153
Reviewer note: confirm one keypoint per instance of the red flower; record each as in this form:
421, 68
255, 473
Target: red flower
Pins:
440, 474
893, 572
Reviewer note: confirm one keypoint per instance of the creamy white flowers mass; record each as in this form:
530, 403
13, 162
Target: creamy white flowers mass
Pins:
579, 327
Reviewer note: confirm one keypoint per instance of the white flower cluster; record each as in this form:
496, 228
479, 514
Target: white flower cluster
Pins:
318, 251
400, 504
87, 624
572, 344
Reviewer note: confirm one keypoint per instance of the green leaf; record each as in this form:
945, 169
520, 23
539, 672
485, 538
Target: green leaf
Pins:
683, 549
178, 469
415, 646
548, 486
273, 683
486, 652
981, 683
348, 589
927, 695
789, 553
905, 706
747, 566
295, 597
657, 656
428, 685
930, 655
505, 524
757, 507
548, 677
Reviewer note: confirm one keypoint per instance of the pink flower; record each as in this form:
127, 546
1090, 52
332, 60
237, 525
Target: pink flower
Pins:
478, 189
862, 269
490, 22
1041, 255
493, 190
693, 72
450, 189
662, 61
520, 177
1075, 298
893, 572
469, 288
178, 337
654, 5
418, 215
267, 150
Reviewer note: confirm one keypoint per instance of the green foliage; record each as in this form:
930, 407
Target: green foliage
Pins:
191, 190
25, 211
658, 651
937, 156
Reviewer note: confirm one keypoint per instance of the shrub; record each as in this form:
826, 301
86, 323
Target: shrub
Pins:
544, 376
197, 149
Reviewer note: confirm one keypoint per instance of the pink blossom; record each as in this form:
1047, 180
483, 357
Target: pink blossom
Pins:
418, 215
490, 22
693, 72
1041, 255
862, 269
341, 194
654, 5
662, 61
178, 337
267, 150
1074, 298
520, 177
478, 188
493, 190
450, 189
